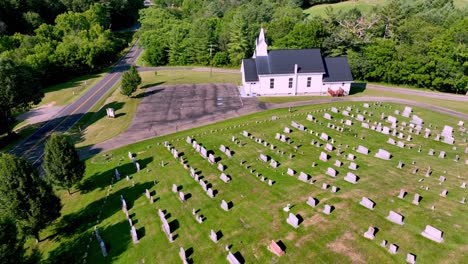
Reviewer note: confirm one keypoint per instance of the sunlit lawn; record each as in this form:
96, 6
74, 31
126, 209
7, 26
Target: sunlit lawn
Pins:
257, 216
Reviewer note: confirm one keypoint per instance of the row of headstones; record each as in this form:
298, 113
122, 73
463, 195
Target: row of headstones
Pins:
351, 157
96, 233
393, 248
165, 226
133, 232
201, 150
258, 175
293, 219
226, 150
181, 195
205, 185
132, 158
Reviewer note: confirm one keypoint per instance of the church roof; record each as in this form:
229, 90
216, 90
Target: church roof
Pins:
337, 70
308, 61
250, 70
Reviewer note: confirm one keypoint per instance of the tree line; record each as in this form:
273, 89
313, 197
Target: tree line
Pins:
76, 43
28, 203
420, 43
20, 16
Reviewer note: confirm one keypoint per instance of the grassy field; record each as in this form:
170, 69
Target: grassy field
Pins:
364, 6
96, 127
449, 104
257, 217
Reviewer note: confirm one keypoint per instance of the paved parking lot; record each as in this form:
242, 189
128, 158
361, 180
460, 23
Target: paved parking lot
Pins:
172, 108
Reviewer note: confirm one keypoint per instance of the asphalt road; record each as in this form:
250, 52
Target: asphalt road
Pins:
33, 146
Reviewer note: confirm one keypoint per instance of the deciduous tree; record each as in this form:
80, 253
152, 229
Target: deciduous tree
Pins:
62, 164
26, 196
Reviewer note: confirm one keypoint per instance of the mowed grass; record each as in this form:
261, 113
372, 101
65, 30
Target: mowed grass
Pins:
449, 104
257, 216
65, 93
96, 127
365, 6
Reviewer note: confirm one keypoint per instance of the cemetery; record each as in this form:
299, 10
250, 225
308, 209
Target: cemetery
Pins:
247, 190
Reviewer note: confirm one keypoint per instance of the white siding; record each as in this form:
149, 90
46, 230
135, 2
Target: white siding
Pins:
280, 88
315, 85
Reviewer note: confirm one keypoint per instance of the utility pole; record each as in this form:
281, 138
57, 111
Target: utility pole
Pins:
211, 61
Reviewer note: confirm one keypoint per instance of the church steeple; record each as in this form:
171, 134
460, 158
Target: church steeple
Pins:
261, 47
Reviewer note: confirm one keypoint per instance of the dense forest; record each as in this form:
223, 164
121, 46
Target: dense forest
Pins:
57, 40
421, 43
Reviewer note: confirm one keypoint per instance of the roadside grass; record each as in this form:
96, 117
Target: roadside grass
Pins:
65, 93
257, 216
96, 127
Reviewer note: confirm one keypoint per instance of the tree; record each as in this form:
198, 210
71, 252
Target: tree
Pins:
62, 164
19, 90
25, 196
130, 81
11, 246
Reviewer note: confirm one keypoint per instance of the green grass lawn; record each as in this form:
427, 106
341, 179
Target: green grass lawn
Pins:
257, 216
96, 127
364, 6
65, 93
449, 104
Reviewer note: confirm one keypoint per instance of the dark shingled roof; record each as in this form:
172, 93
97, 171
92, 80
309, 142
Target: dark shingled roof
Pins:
250, 70
307, 60
337, 70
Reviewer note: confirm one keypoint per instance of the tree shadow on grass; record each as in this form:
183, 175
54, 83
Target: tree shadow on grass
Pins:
72, 250
149, 85
85, 219
357, 88
148, 93
102, 179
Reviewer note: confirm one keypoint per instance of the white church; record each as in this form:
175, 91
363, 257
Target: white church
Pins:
293, 72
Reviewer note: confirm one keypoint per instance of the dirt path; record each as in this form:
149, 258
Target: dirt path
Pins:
438, 95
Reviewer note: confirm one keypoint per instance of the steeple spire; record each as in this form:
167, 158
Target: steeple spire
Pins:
261, 47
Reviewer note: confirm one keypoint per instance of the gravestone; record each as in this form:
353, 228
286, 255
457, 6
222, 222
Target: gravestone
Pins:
213, 236
410, 258
348, 122
416, 199
276, 249
137, 165
220, 167
391, 141
211, 159
351, 178
441, 179
442, 154
312, 201
324, 186
362, 150
182, 196
327, 116
222, 148
224, 205
352, 166
174, 188
293, 220
225, 178
400, 164
334, 189
304, 177
393, 248
368, 203
287, 130
310, 117
110, 112
331, 172
395, 218
323, 156
291, 172
400, 144
328, 147
263, 157
327, 209
324, 137
407, 111
370, 233
433, 234
444, 193
383, 154
273, 163
134, 235
463, 185
338, 163
210, 193
402, 194
351, 156
182, 255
